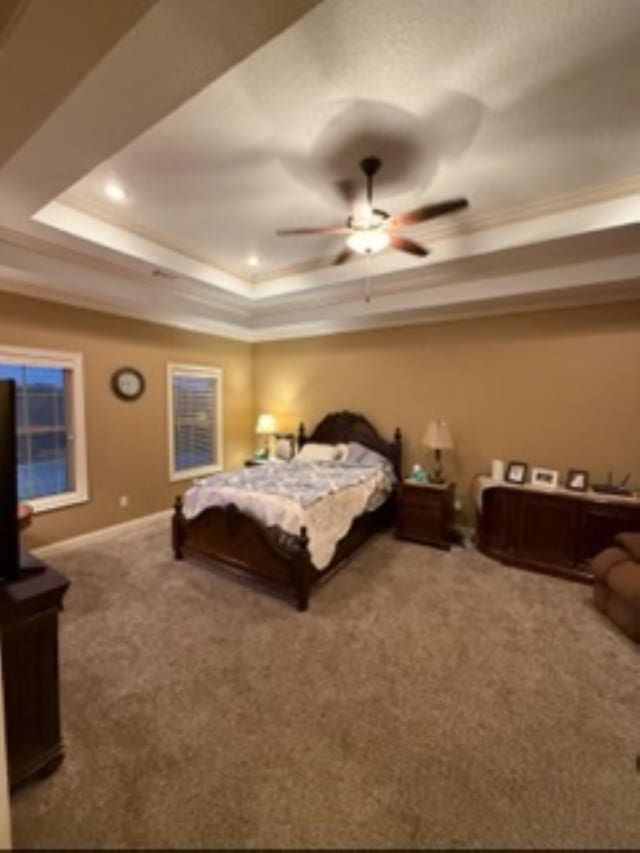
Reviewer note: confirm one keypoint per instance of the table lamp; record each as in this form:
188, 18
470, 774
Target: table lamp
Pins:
266, 426
437, 437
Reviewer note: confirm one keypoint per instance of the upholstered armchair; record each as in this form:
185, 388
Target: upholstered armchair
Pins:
616, 590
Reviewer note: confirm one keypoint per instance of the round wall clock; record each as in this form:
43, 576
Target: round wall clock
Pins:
127, 383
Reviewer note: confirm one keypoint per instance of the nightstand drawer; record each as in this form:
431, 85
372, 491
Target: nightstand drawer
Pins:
421, 496
425, 514
430, 513
419, 519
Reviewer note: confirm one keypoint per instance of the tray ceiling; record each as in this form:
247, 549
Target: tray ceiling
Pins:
528, 109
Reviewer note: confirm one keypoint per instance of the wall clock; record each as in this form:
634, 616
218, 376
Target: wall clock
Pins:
127, 383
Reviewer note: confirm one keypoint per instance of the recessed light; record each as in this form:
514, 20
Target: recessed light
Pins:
253, 260
114, 191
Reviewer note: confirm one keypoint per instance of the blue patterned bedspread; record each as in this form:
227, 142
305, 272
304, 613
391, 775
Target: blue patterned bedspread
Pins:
302, 481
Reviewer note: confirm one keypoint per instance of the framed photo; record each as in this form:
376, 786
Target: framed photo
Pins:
285, 446
516, 473
544, 477
577, 480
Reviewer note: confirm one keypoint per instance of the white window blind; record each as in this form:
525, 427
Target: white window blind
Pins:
195, 417
49, 425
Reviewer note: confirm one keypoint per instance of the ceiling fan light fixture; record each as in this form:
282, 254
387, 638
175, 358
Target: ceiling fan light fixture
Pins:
368, 242
369, 229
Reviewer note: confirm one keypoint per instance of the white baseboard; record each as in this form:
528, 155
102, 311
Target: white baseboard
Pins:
143, 521
93, 536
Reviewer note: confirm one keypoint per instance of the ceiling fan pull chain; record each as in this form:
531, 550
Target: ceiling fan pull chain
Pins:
367, 292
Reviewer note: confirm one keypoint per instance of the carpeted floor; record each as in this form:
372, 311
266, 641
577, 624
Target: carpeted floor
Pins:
426, 699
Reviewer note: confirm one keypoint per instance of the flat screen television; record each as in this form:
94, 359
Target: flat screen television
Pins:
9, 532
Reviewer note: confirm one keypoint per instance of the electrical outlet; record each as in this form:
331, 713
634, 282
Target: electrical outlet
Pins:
124, 501
457, 504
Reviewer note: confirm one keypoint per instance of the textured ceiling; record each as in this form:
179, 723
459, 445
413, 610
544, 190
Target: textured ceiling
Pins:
226, 120
504, 102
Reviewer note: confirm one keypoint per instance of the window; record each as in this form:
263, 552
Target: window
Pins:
195, 420
52, 464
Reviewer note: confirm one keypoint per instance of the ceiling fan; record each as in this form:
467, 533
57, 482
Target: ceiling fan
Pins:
373, 229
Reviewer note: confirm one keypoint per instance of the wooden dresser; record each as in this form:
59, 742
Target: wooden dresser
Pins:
29, 630
425, 513
553, 531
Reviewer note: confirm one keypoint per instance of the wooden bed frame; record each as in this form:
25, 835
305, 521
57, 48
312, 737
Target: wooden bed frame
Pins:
226, 536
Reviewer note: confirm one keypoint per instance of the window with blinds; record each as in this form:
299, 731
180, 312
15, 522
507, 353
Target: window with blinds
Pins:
195, 419
51, 453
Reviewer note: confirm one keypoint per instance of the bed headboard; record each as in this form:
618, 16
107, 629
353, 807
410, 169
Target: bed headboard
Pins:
342, 427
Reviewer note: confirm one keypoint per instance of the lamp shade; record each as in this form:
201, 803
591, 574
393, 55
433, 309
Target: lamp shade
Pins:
437, 436
266, 425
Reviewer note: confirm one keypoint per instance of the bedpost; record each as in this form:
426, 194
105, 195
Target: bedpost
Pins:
301, 571
397, 449
178, 525
302, 436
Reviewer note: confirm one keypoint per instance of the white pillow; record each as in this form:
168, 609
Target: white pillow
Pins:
312, 452
342, 451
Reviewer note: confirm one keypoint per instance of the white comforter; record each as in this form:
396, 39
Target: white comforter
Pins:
327, 519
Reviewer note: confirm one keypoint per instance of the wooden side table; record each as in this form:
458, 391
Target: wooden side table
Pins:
555, 531
29, 630
425, 513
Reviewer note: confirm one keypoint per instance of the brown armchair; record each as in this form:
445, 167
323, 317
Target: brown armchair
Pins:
616, 590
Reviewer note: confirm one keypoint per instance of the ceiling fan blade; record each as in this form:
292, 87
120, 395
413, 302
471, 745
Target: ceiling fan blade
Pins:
403, 244
342, 256
428, 211
338, 229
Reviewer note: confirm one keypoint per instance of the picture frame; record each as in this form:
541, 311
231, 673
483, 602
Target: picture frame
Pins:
577, 480
285, 446
516, 473
545, 478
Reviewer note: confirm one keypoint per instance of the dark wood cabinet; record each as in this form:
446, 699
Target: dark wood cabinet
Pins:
425, 513
554, 532
29, 631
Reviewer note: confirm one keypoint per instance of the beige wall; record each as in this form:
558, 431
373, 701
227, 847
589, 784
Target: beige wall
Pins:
127, 441
558, 389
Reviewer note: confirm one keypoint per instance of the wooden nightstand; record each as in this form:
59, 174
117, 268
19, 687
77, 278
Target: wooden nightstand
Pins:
425, 513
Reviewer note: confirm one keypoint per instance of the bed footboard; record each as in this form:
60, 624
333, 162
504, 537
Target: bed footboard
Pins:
226, 536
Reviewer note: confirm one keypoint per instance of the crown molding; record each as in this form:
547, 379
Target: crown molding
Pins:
602, 294
93, 230
30, 286
468, 223
109, 215
609, 278
464, 223
615, 207
520, 260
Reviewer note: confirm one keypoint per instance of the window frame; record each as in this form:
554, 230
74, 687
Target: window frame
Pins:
208, 372
72, 361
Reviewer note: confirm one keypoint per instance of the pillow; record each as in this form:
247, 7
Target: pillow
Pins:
361, 455
312, 452
358, 454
